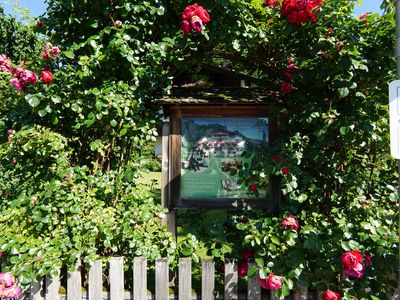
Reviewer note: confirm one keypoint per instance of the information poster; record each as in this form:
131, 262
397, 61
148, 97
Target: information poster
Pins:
212, 150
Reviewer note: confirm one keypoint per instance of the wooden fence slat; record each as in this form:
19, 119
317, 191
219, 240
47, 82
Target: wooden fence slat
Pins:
37, 290
74, 282
207, 279
96, 281
231, 280
139, 278
273, 297
253, 287
162, 273
52, 287
116, 278
301, 293
185, 279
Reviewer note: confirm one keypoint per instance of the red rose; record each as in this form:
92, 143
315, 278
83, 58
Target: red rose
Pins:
368, 258
286, 88
245, 220
350, 259
276, 158
203, 14
247, 254
186, 27
273, 3
1, 254
285, 170
190, 11
252, 187
271, 282
243, 268
47, 76
330, 295
290, 222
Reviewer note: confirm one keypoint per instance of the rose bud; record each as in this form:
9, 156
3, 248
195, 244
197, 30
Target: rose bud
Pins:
186, 27
243, 267
252, 187
118, 23
285, 170
47, 76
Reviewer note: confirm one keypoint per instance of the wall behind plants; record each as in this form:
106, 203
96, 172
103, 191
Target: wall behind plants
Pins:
76, 136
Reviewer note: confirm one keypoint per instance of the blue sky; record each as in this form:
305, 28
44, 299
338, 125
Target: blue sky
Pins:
37, 7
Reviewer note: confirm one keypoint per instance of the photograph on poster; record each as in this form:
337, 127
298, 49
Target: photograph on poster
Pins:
211, 151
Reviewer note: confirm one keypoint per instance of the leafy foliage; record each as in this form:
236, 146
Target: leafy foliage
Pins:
75, 155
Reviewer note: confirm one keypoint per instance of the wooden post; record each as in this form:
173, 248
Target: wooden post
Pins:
185, 279
139, 278
301, 293
96, 281
253, 287
52, 287
37, 290
74, 282
170, 218
231, 280
162, 279
207, 279
116, 278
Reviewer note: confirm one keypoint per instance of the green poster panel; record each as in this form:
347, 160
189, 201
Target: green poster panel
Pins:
211, 151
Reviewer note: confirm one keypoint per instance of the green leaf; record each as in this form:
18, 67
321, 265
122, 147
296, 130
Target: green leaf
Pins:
260, 262
343, 92
32, 100
113, 123
69, 54
252, 271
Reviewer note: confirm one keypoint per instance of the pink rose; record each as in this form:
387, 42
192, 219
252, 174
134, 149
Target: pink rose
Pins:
28, 77
7, 279
3, 59
47, 76
197, 24
9, 131
55, 50
350, 259
357, 272
118, 23
45, 55
186, 27
17, 72
271, 282
17, 84
290, 222
13, 292
330, 295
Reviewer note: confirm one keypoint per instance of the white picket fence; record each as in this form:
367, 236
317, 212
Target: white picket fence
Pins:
48, 288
